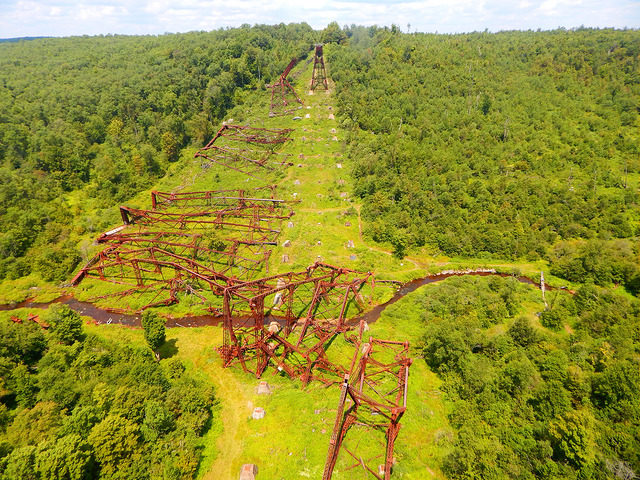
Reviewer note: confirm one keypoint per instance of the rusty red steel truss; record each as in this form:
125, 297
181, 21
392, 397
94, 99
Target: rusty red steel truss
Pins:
319, 75
283, 95
158, 269
254, 220
209, 246
194, 251
373, 399
288, 320
264, 196
246, 149
162, 252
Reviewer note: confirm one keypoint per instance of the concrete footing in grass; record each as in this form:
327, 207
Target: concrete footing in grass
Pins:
248, 471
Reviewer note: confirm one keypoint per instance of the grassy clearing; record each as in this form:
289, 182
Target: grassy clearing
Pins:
29, 287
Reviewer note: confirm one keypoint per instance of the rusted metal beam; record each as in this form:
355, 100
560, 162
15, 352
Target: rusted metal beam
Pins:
315, 301
182, 220
244, 149
218, 198
196, 251
283, 95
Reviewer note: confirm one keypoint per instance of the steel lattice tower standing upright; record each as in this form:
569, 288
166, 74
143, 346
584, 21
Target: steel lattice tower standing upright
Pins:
319, 76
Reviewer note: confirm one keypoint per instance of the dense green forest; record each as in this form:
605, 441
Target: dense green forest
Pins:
510, 145
74, 406
546, 395
493, 145
104, 116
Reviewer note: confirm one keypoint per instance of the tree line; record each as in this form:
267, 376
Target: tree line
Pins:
545, 396
75, 406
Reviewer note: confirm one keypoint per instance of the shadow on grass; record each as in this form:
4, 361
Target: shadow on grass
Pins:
169, 349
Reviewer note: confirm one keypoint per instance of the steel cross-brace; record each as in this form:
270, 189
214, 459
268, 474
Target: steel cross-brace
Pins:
193, 242
245, 149
254, 218
289, 320
261, 196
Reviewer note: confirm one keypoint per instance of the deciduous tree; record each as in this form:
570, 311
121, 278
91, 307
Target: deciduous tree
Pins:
154, 331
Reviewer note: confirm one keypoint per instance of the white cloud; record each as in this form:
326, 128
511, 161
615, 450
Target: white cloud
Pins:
67, 17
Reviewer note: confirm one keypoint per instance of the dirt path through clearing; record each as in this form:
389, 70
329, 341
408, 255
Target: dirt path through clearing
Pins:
234, 398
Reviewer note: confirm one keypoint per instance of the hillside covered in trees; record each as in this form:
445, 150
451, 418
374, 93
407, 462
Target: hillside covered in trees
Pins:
105, 116
75, 406
530, 394
496, 145
518, 145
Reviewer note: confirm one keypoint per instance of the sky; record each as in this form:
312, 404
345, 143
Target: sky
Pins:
20, 18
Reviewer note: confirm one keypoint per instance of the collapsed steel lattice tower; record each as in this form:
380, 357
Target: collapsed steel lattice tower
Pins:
216, 198
245, 149
319, 75
196, 243
283, 95
288, 320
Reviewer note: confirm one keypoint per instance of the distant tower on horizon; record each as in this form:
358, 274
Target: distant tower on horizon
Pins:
319, 76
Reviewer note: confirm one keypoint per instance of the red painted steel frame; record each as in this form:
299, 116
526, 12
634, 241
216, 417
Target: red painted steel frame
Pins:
165, 245
243, 148
177, 258
287, 320
255, 219
217, 198
305, 311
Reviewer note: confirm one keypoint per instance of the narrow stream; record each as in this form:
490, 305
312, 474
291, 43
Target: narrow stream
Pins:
106, 316
374, 314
